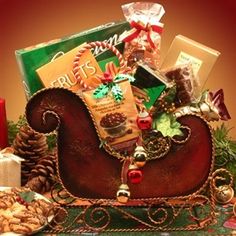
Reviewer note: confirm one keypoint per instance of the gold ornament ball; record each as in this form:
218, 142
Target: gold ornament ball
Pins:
224, 194
123, 194
140, 164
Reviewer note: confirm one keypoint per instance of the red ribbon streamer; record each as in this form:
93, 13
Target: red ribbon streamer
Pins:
138, 28
111, 69
124, 170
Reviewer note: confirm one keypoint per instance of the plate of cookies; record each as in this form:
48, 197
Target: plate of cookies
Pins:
23, 212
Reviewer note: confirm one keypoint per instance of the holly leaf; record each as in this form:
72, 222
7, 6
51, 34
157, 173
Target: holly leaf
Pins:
117, 93
121, 77
101, 91
167, 125
27, 196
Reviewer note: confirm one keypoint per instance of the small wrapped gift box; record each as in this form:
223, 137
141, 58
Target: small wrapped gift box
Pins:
10, 168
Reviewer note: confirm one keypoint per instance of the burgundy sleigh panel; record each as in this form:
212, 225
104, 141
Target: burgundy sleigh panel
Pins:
87, 171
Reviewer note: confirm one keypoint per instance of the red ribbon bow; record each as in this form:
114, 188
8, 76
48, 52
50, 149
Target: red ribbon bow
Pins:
139, 27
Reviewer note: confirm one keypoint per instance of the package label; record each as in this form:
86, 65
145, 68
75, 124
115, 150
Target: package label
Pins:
185, 58
116, 121
59, 73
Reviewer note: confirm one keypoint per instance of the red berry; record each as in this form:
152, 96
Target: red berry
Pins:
20, 200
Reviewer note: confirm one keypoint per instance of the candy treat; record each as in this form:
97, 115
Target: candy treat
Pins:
143, 40
111, 103
115, 120
114, 123
184, 79
21, 214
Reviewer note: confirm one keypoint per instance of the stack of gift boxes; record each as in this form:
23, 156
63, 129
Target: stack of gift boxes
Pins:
116, 69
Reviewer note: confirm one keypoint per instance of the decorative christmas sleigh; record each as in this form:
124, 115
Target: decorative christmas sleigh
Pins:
135, 150
174, 185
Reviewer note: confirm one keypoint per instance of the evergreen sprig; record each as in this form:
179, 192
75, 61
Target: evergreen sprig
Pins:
13, 128
225, 150
225, 146
101, 91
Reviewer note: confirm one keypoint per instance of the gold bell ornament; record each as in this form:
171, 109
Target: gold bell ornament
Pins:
223, 194
123, 194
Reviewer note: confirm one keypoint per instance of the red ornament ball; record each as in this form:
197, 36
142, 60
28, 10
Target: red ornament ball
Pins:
135, 175
144, 120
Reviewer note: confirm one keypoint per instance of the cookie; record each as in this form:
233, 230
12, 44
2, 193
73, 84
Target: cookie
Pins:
20, 229
19, 218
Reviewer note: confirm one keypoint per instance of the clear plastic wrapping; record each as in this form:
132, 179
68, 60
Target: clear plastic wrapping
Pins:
144, 39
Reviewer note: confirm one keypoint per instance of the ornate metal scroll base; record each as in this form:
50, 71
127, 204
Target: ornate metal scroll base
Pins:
193, 212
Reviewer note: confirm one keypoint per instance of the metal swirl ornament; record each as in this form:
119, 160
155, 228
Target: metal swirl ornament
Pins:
97, 218
60, 196
161, 213
198, 209
222, 182
182, 139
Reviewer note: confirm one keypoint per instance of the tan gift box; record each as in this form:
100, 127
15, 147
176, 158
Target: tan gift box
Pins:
10, 168
184, 50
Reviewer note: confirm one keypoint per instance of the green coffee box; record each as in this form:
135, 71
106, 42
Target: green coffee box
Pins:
32, 58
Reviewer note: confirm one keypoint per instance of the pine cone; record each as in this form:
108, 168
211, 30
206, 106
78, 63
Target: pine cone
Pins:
42, 176
31, 146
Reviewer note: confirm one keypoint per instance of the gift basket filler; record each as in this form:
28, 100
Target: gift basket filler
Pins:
133, 135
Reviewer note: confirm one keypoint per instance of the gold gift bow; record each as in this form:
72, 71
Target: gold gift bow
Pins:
9, 153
